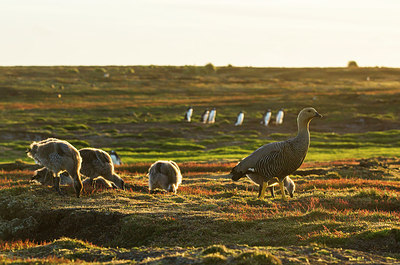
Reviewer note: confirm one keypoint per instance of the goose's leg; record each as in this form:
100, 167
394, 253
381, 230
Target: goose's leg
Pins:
282, 189
271, 189
261, 191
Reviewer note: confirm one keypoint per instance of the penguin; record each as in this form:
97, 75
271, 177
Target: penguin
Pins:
266, 117
188, 114
279, 117
211, 117
115, 158
204, 116
240, 118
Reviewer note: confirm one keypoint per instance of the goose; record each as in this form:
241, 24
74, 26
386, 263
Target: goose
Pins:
240, 118
279, 117
204, 116
211, 117
266, 118
275, 161
188, 114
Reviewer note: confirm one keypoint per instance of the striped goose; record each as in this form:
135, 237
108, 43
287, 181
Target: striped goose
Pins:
274, 161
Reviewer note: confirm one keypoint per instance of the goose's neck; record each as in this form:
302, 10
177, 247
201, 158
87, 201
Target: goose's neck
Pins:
303, 129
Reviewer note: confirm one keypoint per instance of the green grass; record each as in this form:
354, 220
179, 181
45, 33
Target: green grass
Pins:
340, 213
141, 108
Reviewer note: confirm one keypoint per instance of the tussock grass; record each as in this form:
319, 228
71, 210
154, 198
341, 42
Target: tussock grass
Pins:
340, 213
211, 219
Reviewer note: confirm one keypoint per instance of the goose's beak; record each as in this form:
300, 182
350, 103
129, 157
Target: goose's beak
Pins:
318, 115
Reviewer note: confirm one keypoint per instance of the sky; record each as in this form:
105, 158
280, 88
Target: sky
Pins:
260, 33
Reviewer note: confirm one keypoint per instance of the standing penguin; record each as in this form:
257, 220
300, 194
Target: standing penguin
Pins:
188, 114
204, 116
279, 117
115, 158
240, 118
211, 117
266, 117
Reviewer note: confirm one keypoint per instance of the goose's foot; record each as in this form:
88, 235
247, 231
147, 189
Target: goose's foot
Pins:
261, 191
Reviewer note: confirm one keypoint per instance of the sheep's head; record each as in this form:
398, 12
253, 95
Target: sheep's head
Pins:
42, 176
32, 150
118, 181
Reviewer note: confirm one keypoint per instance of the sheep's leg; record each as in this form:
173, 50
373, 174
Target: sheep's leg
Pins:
261, 192
56, 182
151, 187
77, 184
46, 177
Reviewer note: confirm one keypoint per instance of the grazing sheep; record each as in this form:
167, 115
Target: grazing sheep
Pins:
204, 116
275, 161
188, 114
279, 117
240, 118
115, 158
165, 175
102, 183
289, 185
45, 177
266, 117
57, 156
95, 163
98, 183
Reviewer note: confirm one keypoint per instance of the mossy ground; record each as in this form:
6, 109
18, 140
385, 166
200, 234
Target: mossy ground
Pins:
140, 114
344, 211
340, 213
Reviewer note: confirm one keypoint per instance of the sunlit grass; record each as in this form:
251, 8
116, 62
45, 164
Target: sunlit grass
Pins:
327, 210
139, 113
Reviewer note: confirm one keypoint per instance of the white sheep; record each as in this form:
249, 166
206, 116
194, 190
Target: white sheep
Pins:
165, 175
57, 156
95, 163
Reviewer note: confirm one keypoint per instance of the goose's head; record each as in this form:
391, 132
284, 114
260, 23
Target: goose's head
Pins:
307, 114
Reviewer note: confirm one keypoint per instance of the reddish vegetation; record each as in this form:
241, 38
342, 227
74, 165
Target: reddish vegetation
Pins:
196, 190
19, 244
225, 167
343, 183
349, 162
185, 167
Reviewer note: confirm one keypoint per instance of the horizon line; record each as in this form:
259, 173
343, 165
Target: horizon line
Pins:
194, 65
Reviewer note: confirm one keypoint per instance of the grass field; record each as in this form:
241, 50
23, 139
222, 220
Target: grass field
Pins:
346, 207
